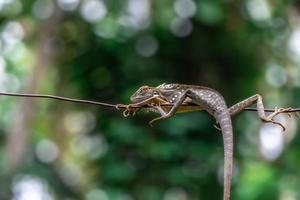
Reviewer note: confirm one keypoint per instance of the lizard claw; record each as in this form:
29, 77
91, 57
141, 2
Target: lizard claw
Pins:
270, 118
129, 109
152, 122
126, 112
118, 106
279, 124
278, 111
217, 127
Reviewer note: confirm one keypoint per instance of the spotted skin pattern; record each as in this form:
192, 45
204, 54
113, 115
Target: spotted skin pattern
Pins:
204, 99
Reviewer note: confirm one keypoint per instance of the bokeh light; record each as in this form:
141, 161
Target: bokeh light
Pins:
175, 194
43, 9
93, 10
271, 140
30, 188
258, 10
146, 46
181, 27
47, 151
96, 194
185, 8
68, 5
138, 13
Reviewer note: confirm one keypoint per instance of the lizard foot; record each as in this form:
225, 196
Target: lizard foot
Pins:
278, 111
126, 112
128, 109
154, 120
277, 123
158, 108
151, 122
270, 118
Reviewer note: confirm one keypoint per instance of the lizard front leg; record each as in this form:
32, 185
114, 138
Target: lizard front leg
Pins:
131, 108
260, 109
172, 111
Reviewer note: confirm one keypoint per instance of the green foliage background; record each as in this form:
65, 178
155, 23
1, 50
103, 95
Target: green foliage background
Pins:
75, 151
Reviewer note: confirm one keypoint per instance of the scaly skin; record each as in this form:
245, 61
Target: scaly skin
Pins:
200, 98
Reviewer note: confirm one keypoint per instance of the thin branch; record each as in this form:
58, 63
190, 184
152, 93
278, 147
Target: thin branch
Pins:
123, 106
46, 96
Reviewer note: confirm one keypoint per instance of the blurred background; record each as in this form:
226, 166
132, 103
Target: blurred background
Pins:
104, 50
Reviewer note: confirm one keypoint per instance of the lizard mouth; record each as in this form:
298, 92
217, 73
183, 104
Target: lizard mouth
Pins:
138, 99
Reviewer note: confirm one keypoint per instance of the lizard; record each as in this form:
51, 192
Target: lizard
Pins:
199, 98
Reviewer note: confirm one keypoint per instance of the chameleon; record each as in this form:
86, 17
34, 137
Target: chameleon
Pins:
200, 98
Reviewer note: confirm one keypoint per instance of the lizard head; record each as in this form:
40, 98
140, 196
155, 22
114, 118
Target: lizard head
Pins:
161, 93
143, 93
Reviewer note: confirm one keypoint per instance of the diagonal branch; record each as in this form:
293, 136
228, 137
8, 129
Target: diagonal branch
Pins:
123, 106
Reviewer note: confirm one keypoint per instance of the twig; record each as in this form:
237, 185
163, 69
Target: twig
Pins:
123, 106
46, 96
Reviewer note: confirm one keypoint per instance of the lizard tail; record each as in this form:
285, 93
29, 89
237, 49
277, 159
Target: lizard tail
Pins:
226, 127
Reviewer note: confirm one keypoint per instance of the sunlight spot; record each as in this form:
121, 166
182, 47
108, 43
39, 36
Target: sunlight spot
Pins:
138, 8
181, 27
79, 122
93, 10
185, 8
276, 75
146, 46
124, 196
271, 140
43, 9
130, 22
291, 127
96, 194
139, 13
108, 28
288, 195
68, 5
70, 174
10, 83
258, 10
4, 3
1, 45
30, 188
46, 151
92, 147
294, 43
12, 33
2, 64
175, 194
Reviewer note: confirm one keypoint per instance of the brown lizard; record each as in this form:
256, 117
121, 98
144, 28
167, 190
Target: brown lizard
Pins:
199, 98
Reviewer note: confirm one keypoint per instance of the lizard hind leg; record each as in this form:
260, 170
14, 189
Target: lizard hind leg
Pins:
260, 109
